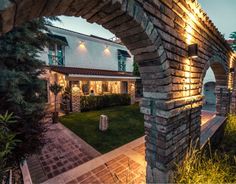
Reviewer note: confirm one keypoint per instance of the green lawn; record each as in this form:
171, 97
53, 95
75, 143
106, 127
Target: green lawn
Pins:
125, 124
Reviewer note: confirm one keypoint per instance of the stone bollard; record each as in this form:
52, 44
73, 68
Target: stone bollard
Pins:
103, 123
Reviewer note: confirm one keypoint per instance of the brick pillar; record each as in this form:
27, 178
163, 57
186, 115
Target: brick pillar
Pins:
131, 90
233, 102
75, 98
223, 99
168, 134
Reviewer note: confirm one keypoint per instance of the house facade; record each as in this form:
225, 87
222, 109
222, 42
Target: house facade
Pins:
88, 65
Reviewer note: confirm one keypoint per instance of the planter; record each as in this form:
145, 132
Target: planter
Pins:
55, 117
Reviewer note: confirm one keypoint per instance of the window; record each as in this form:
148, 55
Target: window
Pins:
121, 63
85, 87
122, 57
56, 55
105, 87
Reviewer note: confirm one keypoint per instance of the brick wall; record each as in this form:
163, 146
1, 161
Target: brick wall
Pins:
157, 32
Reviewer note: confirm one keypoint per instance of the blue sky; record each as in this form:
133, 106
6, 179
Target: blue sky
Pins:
221, 12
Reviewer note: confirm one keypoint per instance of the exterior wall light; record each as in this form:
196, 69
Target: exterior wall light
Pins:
81, 43
231, 70
107, 50
193, 50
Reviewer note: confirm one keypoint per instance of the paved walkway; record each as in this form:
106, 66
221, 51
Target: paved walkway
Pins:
66, 159
122, 165
62, 151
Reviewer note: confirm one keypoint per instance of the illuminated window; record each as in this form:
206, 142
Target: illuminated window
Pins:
85, 87
105, 87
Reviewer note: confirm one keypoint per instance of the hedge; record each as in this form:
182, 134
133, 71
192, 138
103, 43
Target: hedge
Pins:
88, 103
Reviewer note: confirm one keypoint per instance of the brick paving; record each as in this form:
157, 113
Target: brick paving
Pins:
121, 169
140, 149
123, 165
59, 154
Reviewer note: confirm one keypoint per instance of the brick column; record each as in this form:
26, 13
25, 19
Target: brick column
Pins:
233, 102
168, 136
131, 91
223, 99
75, 97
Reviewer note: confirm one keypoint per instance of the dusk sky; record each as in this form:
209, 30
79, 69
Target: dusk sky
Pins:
221, 12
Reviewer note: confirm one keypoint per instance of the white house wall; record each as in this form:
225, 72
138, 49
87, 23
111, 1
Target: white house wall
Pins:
210, 76
91, 54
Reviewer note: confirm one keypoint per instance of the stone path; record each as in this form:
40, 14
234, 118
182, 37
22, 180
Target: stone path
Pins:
62, 151
122, 165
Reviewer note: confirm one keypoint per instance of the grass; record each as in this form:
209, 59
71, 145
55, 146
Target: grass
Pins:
208, 167
125, 124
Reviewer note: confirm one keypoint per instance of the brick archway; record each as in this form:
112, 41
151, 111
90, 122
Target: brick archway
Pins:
220, 70
158, 34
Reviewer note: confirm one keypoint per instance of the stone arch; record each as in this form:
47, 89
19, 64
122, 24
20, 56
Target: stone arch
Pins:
220, 70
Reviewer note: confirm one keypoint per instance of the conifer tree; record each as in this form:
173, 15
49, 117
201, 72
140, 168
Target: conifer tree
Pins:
22, 92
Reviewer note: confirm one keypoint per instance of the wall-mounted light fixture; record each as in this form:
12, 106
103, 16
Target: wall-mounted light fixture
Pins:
107, 50
106, 47
81, 43
231, 70
193, 50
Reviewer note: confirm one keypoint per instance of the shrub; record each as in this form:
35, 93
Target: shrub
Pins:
8, 143
88, 103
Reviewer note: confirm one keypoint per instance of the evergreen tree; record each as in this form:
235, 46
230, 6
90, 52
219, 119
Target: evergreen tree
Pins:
136, 69
233, 36
21, 89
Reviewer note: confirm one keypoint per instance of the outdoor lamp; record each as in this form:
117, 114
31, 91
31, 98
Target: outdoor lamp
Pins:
231, 70
193, 50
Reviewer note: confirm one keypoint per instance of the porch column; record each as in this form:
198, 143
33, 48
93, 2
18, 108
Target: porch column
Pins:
131, 90
75, 97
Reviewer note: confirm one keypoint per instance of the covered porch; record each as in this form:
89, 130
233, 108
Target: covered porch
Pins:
80, 82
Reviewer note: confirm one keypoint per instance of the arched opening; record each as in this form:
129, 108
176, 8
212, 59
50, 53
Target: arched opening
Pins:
214, 90
208, 91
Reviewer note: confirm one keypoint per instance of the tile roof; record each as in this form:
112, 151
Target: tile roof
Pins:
86, 71
230, 42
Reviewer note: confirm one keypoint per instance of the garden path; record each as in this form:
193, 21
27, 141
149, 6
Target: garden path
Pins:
63, 150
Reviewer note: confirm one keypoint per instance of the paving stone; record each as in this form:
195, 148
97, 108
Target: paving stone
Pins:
59, 154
